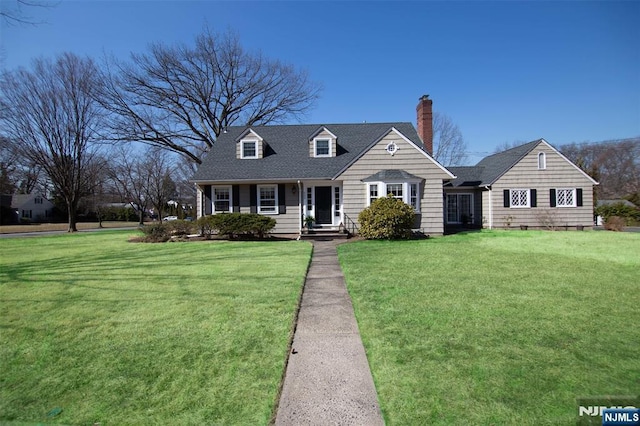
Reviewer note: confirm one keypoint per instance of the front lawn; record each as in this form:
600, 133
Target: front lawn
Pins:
497, 327
117, 333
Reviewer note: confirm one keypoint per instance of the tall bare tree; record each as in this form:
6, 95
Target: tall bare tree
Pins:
181, 98
51, 114
615, 164
13, 12
449, 147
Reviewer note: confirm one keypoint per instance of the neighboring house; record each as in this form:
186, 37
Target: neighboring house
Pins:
333, 171
33, 207
627, 203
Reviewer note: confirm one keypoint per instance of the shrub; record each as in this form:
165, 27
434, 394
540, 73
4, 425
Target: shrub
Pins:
386, 219
615, 223
628, 213
236, 224
156, 233
179, 227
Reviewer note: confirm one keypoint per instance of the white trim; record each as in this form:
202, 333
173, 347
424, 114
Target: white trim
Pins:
246, 132
322, 129
255, 145
528, 191
213, 198
315, 147
574, 197
258, 201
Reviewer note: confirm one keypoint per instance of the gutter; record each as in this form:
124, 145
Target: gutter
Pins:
299, 209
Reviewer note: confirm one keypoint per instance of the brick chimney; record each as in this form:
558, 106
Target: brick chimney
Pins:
425, 122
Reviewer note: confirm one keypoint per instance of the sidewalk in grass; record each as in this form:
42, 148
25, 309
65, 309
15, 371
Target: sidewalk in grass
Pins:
327, 380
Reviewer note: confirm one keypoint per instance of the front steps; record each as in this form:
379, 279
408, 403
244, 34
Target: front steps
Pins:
324, 234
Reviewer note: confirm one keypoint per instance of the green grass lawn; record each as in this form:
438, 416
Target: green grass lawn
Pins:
497, 327
121, 333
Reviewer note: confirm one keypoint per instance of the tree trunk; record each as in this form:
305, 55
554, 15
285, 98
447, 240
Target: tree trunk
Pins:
71, 210
141, 214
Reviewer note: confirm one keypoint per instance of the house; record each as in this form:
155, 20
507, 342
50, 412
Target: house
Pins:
532, 185
32, 207
333, 171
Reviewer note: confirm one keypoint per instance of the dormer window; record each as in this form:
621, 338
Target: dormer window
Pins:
322, 148
249, 149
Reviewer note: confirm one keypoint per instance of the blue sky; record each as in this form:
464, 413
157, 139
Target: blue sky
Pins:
503, 71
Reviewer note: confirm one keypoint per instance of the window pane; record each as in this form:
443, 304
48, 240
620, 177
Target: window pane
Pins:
248, 149
395, 189
373, 193
267, 199
565, 197
309, 199
414, 195
519, 198
322, 147
221, 199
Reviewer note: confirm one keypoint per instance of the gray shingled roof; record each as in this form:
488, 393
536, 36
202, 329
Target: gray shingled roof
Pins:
287, 156
490, 168
391, 175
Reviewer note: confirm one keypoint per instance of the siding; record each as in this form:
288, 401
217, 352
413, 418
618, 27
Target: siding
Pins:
287, 223
559, 173
407, 158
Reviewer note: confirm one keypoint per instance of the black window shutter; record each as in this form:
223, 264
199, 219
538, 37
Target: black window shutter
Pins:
253, 195
534, 198
235, 194
505, 197
552, 197
282, 204
207, 199
579, 197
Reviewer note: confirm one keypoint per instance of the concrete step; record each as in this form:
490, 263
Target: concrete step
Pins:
323, 234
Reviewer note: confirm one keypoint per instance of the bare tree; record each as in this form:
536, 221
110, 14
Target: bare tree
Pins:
449, 147
17, 15
157, 170
614, 164
51, 113
182, 98
508, 145
128, 177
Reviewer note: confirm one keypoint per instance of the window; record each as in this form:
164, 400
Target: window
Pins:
565, 197
373, 192
392, 148
38, 200
413, 196
309, 200
323, 147
249, 149
221, 199
27, 214
407, 192
268, 200
542, 161
395, 189
460, 208
336, 200
519, 197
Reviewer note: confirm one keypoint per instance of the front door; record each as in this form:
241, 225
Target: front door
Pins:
323, 205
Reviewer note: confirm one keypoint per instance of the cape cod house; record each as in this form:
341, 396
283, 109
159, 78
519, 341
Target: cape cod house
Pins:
333, 171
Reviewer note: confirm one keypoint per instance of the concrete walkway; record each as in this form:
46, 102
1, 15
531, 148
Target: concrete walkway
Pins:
327, 380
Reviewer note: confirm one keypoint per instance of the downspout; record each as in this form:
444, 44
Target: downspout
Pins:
299, 210
488, 188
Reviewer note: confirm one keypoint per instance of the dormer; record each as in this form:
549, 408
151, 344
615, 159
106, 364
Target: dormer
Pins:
323, 143
250, 146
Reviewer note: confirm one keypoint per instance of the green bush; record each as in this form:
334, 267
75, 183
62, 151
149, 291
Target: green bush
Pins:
234, 225
156, 233
386, 219
628, 213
